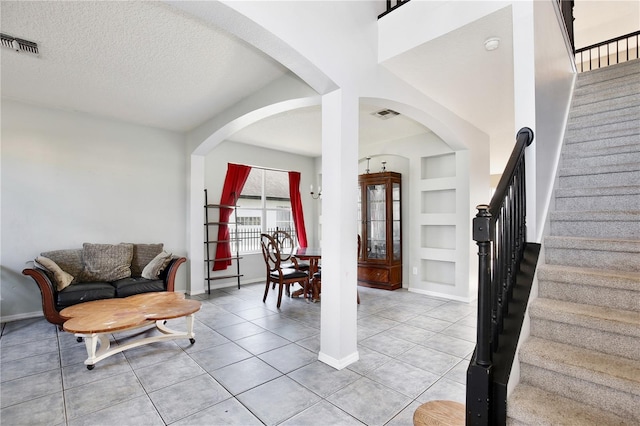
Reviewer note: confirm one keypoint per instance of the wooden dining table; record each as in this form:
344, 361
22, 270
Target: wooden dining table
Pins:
313, 255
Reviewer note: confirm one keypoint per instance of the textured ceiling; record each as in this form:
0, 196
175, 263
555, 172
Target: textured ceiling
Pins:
141, 62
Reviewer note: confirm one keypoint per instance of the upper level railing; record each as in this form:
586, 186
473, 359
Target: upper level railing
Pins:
620, 49
499, 229
392, 5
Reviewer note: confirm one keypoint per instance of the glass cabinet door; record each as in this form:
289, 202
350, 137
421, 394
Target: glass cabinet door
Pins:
376, 197
395, 228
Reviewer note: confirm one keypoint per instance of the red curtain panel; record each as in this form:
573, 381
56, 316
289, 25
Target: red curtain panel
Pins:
233, 183
296, 208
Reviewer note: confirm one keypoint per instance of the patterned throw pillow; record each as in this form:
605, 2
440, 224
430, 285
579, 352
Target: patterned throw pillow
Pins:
69, 261
106, 262
156, 266
61, 278
142, 255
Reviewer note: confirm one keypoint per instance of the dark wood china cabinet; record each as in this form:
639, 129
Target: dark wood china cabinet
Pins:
379, 208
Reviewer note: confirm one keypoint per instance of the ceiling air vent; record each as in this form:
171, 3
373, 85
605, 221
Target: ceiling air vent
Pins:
18, 44
385, 114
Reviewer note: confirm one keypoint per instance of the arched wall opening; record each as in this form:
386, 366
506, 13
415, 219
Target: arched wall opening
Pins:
437, 202
233, 152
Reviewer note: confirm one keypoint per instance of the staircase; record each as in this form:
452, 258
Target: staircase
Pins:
581, 365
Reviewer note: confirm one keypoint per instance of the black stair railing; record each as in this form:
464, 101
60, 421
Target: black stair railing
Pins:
566, 9
499, 230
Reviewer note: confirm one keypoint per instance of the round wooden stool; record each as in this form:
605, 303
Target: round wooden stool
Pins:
439, 413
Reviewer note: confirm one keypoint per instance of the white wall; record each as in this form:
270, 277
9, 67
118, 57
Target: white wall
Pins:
454, 15
452, 271
597, 21
554, 79
70, 178
252, 266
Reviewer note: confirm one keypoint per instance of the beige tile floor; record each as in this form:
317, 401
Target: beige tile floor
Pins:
251, 365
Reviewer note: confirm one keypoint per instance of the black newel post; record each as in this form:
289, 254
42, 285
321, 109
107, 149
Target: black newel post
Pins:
482, 236
480, 370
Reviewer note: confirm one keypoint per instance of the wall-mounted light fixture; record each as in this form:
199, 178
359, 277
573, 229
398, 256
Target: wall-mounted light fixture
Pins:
313, 194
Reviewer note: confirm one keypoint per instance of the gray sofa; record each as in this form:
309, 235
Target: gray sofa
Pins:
100, 271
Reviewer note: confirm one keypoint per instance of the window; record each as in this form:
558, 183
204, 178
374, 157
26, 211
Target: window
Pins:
263, 206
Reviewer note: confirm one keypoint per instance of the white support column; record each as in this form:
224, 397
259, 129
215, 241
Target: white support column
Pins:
338, 328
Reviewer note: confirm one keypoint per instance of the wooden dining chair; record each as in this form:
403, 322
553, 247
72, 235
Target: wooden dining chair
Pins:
287, 246
276, 274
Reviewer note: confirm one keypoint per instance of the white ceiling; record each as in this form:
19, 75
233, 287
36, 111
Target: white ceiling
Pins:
299, 131
138, 61
456, 71
147, 63
150, 64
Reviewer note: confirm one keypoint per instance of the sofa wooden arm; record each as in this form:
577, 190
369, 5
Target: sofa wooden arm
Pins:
48, 295
171, 271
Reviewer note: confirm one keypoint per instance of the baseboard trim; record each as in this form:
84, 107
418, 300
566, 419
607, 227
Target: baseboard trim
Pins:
228, 285
338, 364
18, 317
441, 295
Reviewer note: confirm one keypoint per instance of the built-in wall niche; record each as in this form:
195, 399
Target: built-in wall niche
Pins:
438, 236
438, 166
441, 201
439, 272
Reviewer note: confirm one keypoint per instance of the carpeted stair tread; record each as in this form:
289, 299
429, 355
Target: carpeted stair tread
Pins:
600, 175
628, 78
597, 215
614, 372
598, 198
591, 277
611, 89
609, 253
598, 191
595, 131
597, 224
606, 290
608, 73
629, 130
578, 144
605, 117
601, 160
621, 104
598, 244
613, 150
607, 82
534, 406
585, 171
593, 317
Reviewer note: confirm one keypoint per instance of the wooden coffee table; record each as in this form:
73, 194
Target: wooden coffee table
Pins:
95, 320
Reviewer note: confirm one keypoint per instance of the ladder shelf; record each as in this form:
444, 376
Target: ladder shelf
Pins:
208, 242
